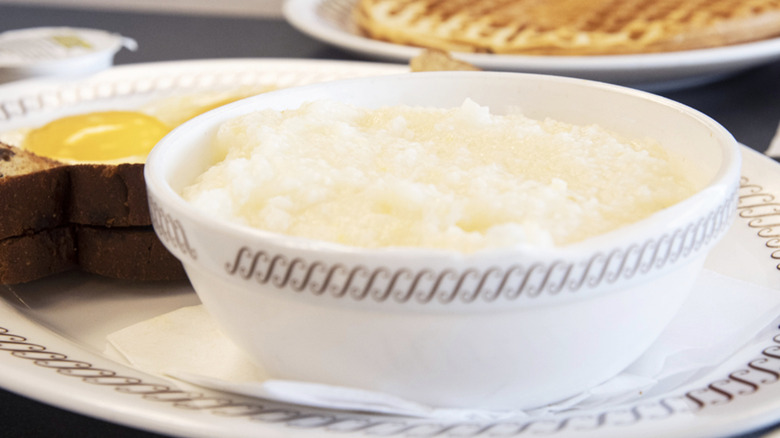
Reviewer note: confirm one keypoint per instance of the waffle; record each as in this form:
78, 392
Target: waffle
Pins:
568, 27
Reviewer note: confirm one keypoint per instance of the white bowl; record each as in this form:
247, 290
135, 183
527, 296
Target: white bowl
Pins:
503, 329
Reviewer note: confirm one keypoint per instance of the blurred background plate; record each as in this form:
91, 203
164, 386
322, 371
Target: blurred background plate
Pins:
330, 21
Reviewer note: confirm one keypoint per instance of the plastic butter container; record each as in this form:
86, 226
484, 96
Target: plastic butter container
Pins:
57, 51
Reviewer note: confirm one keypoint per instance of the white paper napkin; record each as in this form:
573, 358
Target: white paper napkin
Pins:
721, 315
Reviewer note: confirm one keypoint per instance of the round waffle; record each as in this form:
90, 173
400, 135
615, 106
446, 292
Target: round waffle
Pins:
568, 27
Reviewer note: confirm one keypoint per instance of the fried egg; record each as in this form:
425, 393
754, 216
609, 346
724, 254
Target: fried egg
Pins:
102, 136
118, 136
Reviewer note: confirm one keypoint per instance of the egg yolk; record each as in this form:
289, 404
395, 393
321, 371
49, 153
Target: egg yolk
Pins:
101, 136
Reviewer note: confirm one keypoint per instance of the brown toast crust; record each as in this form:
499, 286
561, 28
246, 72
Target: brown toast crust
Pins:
16, 161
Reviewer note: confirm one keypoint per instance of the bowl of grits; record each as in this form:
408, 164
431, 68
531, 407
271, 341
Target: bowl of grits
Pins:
460, 239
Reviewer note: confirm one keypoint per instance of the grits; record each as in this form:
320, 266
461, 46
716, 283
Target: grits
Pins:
458, 179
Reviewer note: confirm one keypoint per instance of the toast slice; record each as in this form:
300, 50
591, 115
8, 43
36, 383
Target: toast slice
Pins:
568, 27
38, 193
55, 217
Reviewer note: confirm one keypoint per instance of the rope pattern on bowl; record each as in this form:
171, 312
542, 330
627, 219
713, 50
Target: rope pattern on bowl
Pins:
170, 230
763, 212
404, 285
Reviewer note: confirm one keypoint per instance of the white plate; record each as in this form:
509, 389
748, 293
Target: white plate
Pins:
29, 103
52, 332
330, 21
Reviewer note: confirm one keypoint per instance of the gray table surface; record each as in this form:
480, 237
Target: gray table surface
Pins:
747, 104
